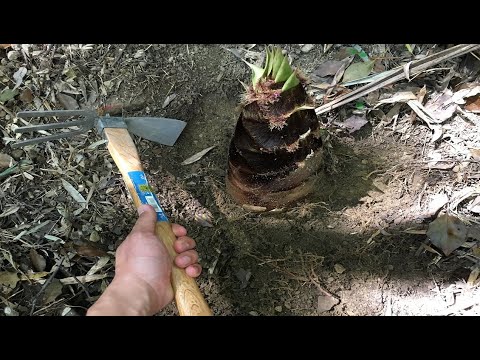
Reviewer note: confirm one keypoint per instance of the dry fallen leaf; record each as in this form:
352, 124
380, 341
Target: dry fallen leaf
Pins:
197, 156
38, 261
26, 96
441, 107
204, 219
99, 265
5, 161
474, 206
168, 100
399, 97
18, 76
9, 211
328, 68
447, 232
83, 279
9, 279
7, 94
68, 102
73, 192
89, 249
473, 276
475, 154
474, 233
52, 291
467, 91
354, 123
436, 203
473, 104
358, 71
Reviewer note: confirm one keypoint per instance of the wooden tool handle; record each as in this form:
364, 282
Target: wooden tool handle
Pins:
188, 297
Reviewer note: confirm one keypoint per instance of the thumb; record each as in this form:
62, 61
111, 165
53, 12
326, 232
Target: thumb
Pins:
146, 220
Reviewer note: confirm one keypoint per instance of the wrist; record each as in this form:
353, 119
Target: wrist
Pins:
127, 295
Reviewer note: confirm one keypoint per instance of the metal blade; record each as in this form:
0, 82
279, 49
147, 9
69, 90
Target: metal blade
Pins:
161, 130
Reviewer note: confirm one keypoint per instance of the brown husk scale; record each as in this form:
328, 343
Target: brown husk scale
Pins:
275, 150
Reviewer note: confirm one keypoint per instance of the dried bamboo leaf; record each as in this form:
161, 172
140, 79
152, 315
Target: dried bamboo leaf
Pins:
83, 279
447, 232
73, 192
38, 261
96, 144
10, 211
99, 265
9, 279
197, 156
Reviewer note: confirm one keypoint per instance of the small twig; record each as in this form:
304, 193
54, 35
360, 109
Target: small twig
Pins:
79, 282
56, 302
475, 55
44, 286
314, 278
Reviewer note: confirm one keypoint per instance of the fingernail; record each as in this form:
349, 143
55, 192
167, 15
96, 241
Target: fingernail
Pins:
142, 208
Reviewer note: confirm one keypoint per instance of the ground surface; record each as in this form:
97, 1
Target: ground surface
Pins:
357, 246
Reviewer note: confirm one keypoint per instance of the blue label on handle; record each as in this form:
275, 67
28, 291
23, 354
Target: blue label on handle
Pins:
145, 193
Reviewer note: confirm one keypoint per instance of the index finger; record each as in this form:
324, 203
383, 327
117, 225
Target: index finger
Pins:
179, 230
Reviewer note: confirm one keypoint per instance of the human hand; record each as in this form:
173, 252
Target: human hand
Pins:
143, 267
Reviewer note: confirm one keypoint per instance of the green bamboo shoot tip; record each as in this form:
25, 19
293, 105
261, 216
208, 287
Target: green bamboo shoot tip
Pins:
257, 72
284, 71
291, 82
276, 67
277, 61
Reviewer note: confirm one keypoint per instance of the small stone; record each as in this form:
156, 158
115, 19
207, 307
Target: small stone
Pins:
8, 311
253, 313
339, 268
326, 303
330, 280
17, 154
278, 309
117, 230
13, 55
5, 161
94, 236
307, 47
